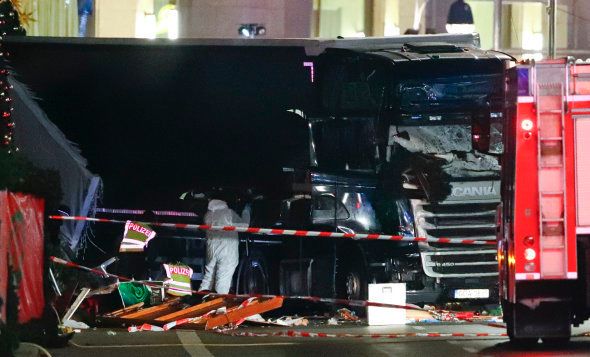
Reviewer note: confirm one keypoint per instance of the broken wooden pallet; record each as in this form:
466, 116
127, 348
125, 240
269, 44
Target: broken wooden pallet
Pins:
125, 310
175, 310
241, 312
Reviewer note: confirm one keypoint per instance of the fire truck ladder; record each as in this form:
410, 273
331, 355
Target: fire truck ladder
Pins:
551, 165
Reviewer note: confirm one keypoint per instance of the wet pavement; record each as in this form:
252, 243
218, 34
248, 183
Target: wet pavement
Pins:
119, 342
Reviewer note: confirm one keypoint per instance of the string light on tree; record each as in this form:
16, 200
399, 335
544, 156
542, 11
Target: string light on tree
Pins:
9, 26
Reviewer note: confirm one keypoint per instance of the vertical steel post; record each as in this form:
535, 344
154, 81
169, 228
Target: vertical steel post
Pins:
369, 28
317, 18
552, 23
497, 24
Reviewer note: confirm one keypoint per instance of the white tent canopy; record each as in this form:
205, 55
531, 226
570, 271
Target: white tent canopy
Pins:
40, 141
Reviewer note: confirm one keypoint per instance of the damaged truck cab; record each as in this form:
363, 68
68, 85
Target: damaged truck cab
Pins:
402, 141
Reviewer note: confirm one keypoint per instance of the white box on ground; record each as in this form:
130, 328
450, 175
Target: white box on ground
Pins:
388, 294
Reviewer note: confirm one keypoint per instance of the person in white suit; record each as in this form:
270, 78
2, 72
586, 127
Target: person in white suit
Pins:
222, 246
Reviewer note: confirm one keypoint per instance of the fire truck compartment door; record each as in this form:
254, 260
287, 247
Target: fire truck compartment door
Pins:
582, 134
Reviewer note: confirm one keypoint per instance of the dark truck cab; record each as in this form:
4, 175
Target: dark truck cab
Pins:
402, 142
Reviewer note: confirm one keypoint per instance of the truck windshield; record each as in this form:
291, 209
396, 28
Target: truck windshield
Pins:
447, 95
345, 144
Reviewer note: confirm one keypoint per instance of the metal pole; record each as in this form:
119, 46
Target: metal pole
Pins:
552, 23
497, 24
318, 19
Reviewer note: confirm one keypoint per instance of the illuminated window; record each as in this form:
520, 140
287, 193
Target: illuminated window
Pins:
524, 25
483, 21
530, 26
156, 19
339, 18
167, 20
389, 19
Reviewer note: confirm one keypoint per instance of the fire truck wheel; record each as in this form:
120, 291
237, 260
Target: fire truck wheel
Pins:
252, 277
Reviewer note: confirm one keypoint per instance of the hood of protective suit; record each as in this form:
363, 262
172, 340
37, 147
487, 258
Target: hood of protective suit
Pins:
215, 205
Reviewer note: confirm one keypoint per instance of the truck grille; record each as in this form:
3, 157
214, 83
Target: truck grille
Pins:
457, 220
449, 264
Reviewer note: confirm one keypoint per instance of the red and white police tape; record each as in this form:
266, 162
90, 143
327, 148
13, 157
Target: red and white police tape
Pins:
293, 333
186, 320
145, 327
288, 232
298, 334
346, 302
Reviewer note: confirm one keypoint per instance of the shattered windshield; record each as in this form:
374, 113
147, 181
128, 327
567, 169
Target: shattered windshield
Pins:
450, 94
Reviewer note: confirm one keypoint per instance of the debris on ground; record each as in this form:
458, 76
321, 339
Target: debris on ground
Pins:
75, 324
145, 327
347, 315
281, 321
414, 316
291, 321
256, 318
445, 315
333, 321
223, 313
210, 314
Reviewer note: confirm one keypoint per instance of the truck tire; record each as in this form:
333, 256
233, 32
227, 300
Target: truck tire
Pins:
352, 283
252, 275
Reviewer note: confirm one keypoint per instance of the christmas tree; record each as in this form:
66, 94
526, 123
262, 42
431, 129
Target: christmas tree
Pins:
9, 26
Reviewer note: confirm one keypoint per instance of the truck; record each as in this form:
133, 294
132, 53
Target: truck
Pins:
400, 135
543, 221
405, 140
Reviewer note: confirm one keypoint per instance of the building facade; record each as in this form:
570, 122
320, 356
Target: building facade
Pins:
522, 26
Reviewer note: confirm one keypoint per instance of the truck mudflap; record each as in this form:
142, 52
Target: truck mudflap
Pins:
548, 320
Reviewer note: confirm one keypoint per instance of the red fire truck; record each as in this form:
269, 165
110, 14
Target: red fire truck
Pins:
544, 220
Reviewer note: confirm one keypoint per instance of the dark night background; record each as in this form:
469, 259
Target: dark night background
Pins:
154, 120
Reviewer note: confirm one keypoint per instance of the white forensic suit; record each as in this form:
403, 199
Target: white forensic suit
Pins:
222, 247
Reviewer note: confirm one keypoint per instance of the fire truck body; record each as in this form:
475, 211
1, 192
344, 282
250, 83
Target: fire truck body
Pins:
543, 234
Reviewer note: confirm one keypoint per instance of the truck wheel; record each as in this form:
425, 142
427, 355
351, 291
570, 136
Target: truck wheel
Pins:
353, 284
252, 277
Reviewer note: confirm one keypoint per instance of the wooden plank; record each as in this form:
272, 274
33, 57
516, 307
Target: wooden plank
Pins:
237, 313
125, 310
154, 311
193, 311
